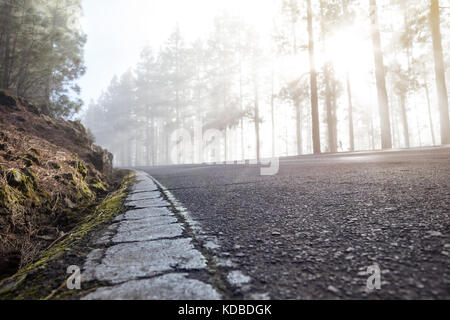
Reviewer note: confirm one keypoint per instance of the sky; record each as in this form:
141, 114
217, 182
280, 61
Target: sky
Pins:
117, 31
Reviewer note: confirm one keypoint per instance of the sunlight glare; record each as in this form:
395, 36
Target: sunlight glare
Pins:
349, 51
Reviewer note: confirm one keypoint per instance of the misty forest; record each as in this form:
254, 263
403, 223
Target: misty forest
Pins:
224, 149
329, 76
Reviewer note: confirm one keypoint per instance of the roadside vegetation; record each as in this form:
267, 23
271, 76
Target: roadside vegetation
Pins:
45, 278
51, 177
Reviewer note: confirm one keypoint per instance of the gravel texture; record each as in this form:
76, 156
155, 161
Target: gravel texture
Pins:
312, 230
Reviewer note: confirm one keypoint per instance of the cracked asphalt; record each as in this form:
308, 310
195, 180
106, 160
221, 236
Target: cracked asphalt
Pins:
146, 254
311, 231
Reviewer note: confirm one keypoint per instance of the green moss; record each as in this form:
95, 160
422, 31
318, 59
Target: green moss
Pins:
83, 190
16, 179
24, 181
3, 197
22, 190
81, 168
98, 187
108, 209
10, 198
31, 178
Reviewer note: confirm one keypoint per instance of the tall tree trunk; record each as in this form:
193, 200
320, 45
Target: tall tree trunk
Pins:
51, 67
5, 76
430, 117
385, 122
395, 127
309, 131
404, 94
6, 44
297, 106
404, 120
241, 101
329, 96
314, 94
351, 129
440, 72
328, 105
334, 142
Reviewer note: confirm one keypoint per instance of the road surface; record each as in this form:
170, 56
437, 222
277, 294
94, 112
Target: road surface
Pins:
146, 254
312, 230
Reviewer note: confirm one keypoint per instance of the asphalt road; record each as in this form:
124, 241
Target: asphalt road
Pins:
311, 231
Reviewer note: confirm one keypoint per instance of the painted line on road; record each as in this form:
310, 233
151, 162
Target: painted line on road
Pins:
210, 248
146, 255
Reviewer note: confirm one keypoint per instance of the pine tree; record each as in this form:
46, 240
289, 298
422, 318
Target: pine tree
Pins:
440, 71
313, 79
385, 122
41, 52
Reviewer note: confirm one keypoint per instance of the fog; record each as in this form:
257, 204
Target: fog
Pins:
171, 82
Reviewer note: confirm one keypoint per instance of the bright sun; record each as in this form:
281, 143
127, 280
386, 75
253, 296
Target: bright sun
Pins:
349, 51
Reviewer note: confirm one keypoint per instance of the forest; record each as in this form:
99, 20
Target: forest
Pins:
329, 76
305, 88
254, 150
41, 52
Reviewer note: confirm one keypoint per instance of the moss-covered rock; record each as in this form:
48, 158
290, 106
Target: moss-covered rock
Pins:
81, 168
10, 198
25, 182
30, 176
16, 179
98, 187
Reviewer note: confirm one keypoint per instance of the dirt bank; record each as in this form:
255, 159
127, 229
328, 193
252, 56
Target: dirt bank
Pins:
51, 177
